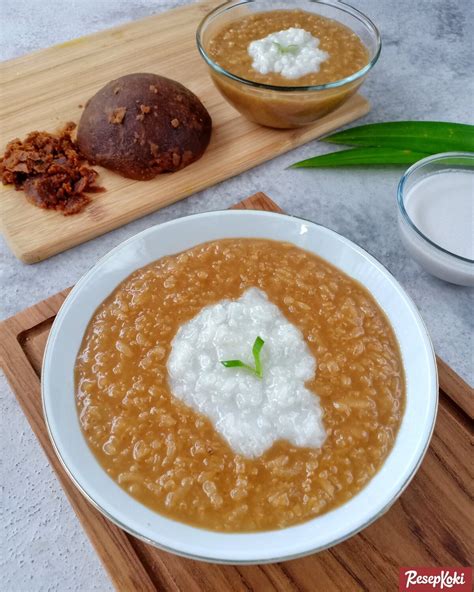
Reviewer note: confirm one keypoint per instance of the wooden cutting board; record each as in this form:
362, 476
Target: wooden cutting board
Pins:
43, 90
429, 525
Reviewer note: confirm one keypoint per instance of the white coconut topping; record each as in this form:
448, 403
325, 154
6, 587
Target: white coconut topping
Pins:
249, 412
292, 53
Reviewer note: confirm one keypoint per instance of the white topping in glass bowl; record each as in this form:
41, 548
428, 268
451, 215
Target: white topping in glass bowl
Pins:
292, 53
250, 413
441, 206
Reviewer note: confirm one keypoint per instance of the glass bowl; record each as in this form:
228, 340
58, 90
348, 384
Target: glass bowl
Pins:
438, 261
287, 106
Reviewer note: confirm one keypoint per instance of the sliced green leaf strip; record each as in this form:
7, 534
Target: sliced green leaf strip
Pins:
236, 364
293, 49
256, 349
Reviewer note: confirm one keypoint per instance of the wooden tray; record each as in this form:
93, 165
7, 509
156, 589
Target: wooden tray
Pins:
428, 525
43, 90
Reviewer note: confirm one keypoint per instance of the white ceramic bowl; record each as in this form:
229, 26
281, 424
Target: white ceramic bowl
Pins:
317, 534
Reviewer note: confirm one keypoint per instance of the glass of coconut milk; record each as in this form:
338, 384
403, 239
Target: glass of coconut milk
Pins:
436, 215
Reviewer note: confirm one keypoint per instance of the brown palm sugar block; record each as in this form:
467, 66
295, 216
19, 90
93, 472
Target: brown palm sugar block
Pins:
141, 125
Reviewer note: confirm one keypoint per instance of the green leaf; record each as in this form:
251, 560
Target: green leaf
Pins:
431, 137
361, 156
293, 49
256, 349
236, 364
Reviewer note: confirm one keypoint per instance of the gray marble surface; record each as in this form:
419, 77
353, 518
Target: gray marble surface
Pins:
424, 73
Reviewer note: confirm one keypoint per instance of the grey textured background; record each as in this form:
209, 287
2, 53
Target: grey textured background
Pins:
425, 72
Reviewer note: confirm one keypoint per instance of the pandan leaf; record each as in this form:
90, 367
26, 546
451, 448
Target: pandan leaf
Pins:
430, 137
360, 157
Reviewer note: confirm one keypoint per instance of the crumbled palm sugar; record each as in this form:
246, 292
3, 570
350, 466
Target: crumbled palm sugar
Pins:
117, 115
154, 150
50, 170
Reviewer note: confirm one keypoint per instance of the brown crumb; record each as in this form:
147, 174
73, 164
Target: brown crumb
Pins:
175, 122
188, 157
144, 109
51, 171
117, 115
154, 150
80, 105
153, 89
176, 159
195, 124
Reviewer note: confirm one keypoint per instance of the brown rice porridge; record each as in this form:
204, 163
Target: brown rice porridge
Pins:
171, 458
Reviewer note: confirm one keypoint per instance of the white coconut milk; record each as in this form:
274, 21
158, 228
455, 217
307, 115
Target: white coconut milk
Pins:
292, 53
251, 413
441, 206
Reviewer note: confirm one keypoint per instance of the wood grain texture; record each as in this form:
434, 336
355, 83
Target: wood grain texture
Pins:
428, 525
111, 543
458, 389
44, 90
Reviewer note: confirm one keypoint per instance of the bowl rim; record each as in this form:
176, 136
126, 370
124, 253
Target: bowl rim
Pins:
237, 213
337, 4
420, 164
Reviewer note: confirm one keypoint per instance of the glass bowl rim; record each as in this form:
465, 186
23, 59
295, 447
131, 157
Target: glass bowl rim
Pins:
337, 4
401, 197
